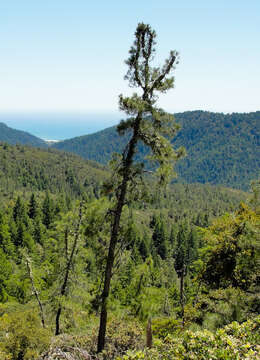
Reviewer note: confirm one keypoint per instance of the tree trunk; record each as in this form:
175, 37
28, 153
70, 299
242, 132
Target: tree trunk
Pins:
67, 270
149, 334
35, 291
57, 321
149, 79
114, 235
182, 294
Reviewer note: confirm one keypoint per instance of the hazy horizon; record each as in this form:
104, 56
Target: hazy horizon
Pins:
62, 126
59, 126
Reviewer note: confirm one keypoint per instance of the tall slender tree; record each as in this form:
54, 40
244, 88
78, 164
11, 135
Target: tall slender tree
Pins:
32, 208
148, 124
159, 238
181, 261
70, 254
47, 210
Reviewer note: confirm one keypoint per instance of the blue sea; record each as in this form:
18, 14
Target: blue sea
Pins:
58, 126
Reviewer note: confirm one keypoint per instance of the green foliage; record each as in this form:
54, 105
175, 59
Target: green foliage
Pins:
26, 169
22, 337
12, 136
220, 307
255, 198
182, 249
140, 286
122, 334
235, 341
161, 328
148, 125
5, 273
233, 253
159, 238
47, 211
215, 145
19, 211
32, 208
222, 280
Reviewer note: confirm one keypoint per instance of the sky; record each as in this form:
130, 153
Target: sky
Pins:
68, 56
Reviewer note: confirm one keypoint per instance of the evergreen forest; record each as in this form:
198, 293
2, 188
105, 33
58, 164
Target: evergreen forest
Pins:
122, 261
222, 148
13, 136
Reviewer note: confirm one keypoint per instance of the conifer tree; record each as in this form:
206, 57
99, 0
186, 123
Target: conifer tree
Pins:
143, 247
184, 255
19, 241
19, 211
148, 124
47, 211
37, 231
5, 236
159, 238
32, 211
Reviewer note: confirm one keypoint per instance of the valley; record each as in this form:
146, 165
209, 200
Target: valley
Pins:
51, 198
141, 240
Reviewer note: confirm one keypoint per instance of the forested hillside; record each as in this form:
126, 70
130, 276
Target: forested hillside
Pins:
24, 168
37, 235
184, 225
12, 136
222, 149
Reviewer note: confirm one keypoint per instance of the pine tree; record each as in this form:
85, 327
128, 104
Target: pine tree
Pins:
159, 238
173, 236
192, 247
47, 211
5, 236
19, 211
143, 247
32, 211
37, 231
148, 124
20, 236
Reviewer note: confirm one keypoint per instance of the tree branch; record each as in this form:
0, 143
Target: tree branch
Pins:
167, 69
35, 291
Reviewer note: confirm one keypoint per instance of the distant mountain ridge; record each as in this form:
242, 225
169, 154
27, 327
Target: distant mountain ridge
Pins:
29, 168
222, 148
25, 169
13, 136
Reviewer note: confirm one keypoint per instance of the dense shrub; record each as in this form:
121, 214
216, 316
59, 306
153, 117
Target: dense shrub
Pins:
162, 327
22, 337
235, 341
122, 335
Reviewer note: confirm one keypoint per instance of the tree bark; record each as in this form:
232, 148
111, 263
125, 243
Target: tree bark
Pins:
114, 234
182, 294
35, 291
149, 334
67, 270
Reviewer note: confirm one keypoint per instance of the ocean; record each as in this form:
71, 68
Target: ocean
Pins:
58, 126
